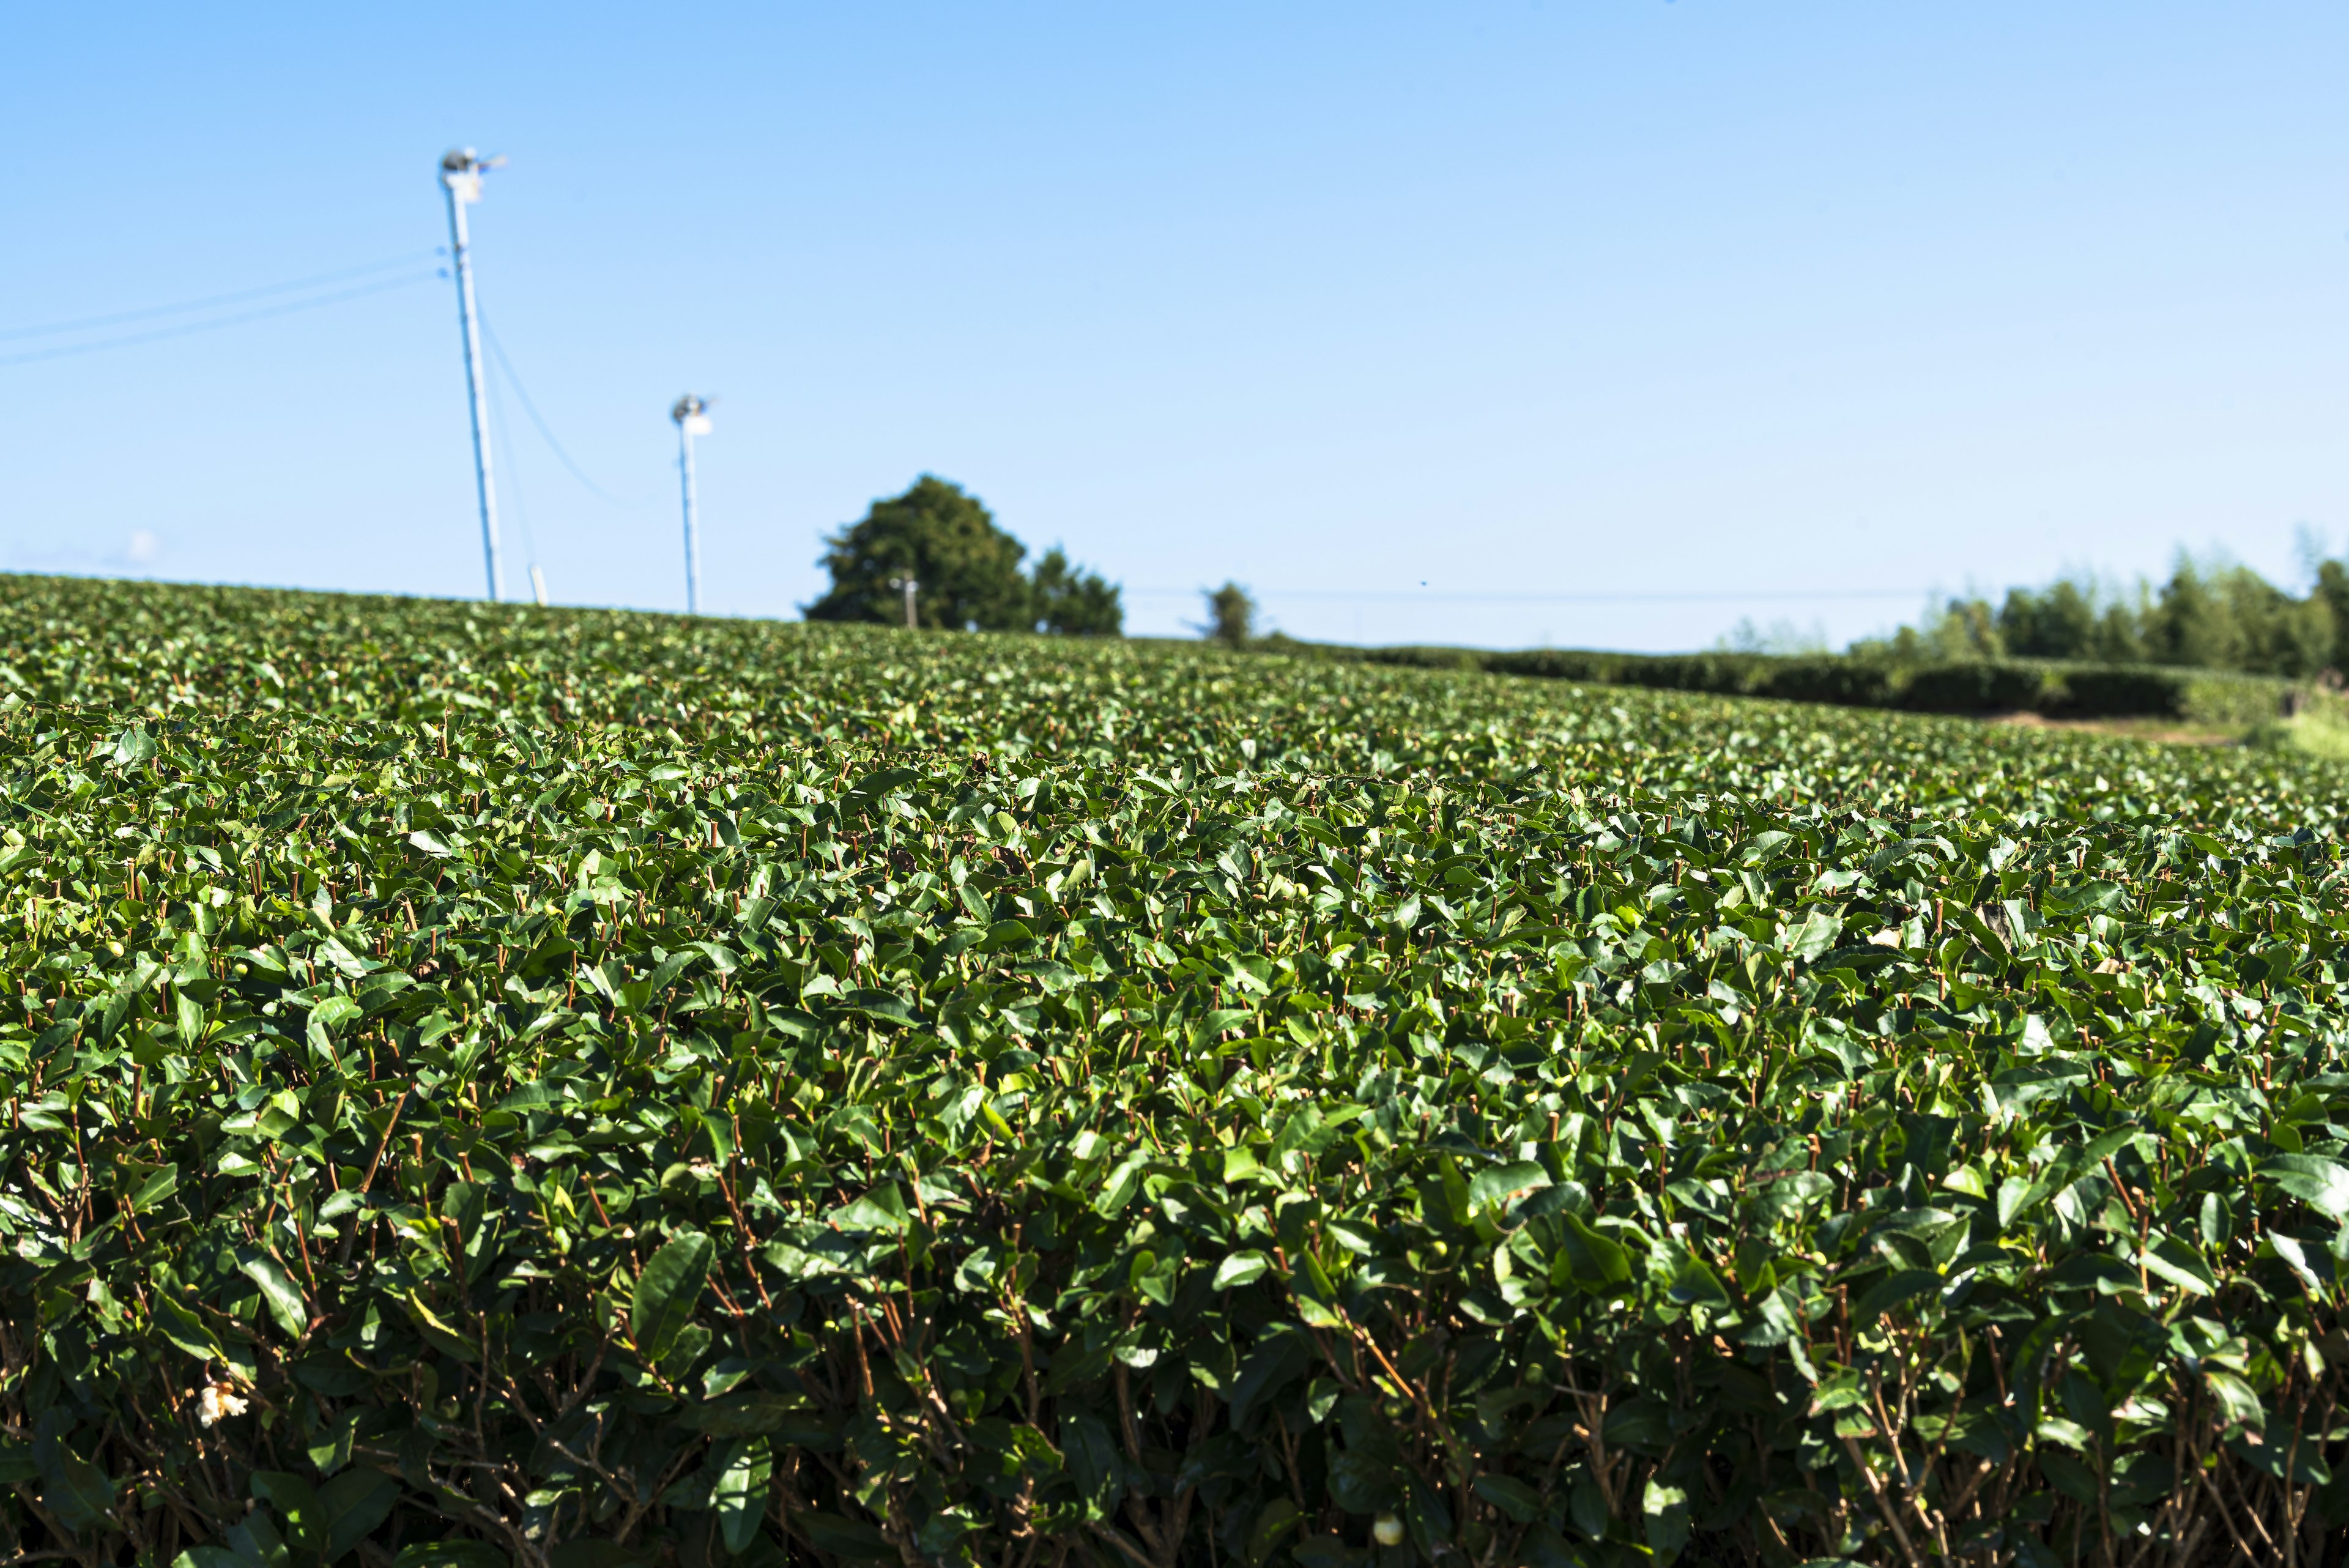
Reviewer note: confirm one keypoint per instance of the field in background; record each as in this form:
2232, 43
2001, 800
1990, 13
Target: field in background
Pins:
2169, 701
502, 1085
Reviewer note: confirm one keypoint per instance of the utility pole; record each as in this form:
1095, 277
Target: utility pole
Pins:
907, 582
461, 177
692, 417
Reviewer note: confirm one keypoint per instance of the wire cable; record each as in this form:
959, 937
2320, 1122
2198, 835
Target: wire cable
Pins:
552, 445
210, 302
1791, 595
504, 437
159, 333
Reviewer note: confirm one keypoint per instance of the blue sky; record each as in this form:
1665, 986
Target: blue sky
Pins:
1470, 323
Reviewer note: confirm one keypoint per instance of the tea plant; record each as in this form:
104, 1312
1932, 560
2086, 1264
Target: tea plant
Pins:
507, 1086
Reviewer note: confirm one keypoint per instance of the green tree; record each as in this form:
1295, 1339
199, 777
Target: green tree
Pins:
1073, 601
967, 568
1957, 628
2213, 614
2333, 588
2120, 632
2057, 622
1231, 615
2230, 617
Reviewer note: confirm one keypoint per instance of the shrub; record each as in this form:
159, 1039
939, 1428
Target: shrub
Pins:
491, 1084
1231, 615
1866, 680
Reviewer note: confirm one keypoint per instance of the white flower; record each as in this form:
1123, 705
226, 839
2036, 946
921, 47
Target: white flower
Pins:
216, 1401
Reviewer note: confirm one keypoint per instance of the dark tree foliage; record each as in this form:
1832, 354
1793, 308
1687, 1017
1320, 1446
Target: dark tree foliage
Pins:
2332, 590
2059, 623
1073, 601
968, 569
1231, 615
2210, 616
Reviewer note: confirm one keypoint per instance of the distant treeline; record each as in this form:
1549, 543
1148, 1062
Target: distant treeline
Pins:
2218, 617
2061, 688
2216, 646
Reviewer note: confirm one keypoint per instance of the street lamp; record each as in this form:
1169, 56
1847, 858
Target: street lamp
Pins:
461, 177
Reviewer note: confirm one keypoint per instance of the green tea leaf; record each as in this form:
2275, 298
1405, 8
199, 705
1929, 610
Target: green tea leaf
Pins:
666, 1292
283, 1297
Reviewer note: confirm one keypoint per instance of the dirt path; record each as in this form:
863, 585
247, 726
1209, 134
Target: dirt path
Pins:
2173, 731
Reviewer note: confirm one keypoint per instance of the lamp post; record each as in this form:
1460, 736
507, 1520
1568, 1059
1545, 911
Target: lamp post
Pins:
461, 178
692, 417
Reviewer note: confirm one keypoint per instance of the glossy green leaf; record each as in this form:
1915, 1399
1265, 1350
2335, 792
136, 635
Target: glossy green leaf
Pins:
1494, 1188
1664, 1518
667, 1292
739, 1496
281, 1296
77, 1493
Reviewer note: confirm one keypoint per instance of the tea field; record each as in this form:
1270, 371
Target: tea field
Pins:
502, 1086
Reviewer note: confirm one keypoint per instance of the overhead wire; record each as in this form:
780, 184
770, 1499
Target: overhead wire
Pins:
538, 420
1731, 595
503, 435
513, 380
159, 333
212, 301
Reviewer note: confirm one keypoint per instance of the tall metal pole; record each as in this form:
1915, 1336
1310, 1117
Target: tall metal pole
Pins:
691, 420
461, 177
692, 538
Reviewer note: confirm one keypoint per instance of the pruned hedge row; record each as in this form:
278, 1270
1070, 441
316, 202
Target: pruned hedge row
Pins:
2054, 688
510, 1087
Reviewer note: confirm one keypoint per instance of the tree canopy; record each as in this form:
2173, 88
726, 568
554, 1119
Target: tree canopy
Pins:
967, 566
1073, 601
2216, 614
1231, 615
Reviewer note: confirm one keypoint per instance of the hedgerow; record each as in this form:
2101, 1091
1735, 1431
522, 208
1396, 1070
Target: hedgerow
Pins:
2055, 688
510, 1086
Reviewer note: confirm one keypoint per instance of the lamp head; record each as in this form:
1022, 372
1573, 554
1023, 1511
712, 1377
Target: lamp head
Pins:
461, 170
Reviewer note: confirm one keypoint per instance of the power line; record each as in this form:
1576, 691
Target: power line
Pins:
513, 380
158, 335
212, 301
1791, 595
513, 474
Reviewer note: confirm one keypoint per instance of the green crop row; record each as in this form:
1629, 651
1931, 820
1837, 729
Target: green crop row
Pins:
500, 1086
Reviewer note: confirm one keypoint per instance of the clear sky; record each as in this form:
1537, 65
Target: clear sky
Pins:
1469, 322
